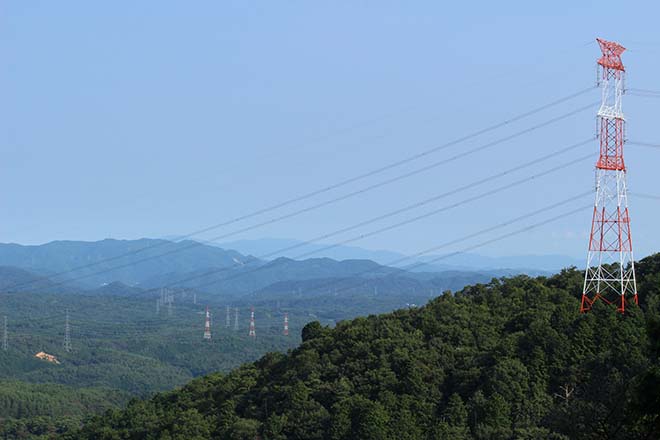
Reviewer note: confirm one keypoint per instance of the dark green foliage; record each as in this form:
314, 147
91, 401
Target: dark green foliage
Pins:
511, 359
37, 411
18, 399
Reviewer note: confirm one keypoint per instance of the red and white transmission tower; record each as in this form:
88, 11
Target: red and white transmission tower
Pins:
207, 325
286, 324
610, 273
252, 332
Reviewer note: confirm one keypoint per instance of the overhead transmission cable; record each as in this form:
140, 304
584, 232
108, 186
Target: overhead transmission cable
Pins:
434, 248
645, 196
646, 93
395, 225
336, 186
339, 198
398, 261
475, 246
643, 144
401, 210
405, 222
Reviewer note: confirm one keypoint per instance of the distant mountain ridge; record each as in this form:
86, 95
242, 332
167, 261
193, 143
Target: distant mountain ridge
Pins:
128, 261
529, 264
258, 275
13, 278
137, 267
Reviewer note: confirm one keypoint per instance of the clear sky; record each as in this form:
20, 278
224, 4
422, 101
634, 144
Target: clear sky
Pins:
130, 119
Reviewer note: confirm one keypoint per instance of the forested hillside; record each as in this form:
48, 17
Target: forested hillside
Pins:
44, 410
509, 359
122, 344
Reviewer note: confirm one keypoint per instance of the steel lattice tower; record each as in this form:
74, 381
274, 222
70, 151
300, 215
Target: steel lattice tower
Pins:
286, 324
253, 332
236, 319
610, 273
67, 334
5, 337
207, 325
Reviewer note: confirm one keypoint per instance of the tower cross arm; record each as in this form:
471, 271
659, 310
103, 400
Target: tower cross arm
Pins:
611, 58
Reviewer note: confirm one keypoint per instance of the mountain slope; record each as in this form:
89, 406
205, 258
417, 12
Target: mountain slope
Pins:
316, 275
14, 279
509, 359
529, 264
147, 258
106, 269
257, 275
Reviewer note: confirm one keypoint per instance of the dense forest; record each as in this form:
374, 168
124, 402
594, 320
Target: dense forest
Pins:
31, 410
125, 347
121, 343
510, 359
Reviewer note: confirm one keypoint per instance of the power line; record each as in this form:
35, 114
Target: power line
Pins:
428, 214
346, 196
443, 195
404, 222
332, 187
357, 192
644, 196
428, 250
473, 247
5, 336
644, 92
643, 144
408, 221
414, 206
642, 95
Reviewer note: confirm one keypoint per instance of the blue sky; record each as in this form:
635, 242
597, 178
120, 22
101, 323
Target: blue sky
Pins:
155, 118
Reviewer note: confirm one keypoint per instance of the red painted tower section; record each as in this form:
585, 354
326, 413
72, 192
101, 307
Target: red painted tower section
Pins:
610, 273
286, 324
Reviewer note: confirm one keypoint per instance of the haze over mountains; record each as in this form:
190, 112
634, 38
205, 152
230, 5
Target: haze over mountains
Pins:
131, 262
129, 266
464, 261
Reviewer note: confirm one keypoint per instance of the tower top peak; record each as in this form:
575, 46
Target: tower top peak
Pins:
612, 51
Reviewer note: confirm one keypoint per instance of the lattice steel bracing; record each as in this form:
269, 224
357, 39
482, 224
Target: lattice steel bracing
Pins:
207, 325
610, 273
67, 334
253, 332
5, 338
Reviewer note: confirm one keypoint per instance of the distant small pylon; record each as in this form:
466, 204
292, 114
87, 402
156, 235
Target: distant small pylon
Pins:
67, 334
236, 319
5, 337
228, 319
157, 306
195, 298
207, 325
286, 324
253, 332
